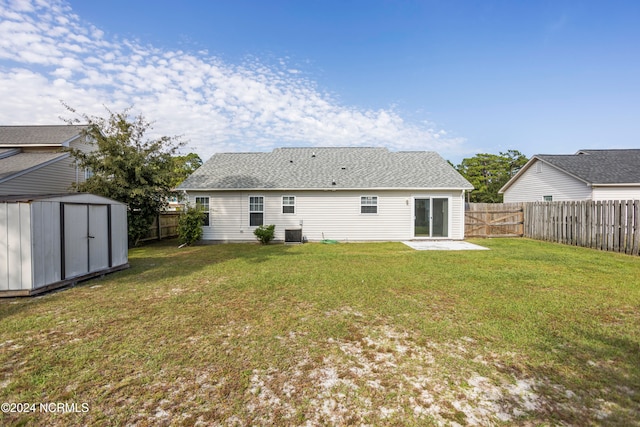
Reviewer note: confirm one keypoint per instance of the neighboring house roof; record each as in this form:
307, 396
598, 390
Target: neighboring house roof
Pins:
46, 140
594, 167
326, 168
24, 162
38, 136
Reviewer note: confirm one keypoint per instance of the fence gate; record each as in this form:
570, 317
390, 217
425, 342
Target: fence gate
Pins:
493, 220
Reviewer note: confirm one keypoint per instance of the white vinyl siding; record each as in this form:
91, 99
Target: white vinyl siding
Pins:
325, 214
617, 193
532, 186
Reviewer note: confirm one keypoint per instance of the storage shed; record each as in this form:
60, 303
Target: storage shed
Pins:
51, 241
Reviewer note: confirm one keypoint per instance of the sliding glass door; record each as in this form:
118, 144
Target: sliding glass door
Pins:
431, 217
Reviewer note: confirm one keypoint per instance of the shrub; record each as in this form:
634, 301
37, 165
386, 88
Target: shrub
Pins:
265, 233
190, 225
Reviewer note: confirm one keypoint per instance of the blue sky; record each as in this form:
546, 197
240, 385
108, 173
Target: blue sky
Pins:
457, 77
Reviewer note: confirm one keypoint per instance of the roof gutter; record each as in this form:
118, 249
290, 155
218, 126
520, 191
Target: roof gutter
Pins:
332, 189
57, 145
626, 184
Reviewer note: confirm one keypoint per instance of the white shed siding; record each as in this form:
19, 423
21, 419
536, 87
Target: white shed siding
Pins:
45, 241
15, 254
324, 214
119, 239
533, 185
616, 193
4, 253
31, 240
56, 177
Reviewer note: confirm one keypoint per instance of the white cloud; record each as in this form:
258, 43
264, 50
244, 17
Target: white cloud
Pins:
22, 5
48, 54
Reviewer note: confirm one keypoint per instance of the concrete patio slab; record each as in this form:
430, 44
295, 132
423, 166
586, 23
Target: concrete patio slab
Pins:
443, 245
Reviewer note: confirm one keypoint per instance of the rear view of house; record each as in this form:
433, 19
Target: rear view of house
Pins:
32, 160
357, 194
586, 175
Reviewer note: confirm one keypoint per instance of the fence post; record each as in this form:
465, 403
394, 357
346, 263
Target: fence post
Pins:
636, 231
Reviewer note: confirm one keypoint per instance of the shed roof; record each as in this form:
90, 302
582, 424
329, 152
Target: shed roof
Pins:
326, 168
60, 197
38, 136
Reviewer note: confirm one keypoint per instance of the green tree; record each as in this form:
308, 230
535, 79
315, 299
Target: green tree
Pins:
185, 166
489, 172
127, 166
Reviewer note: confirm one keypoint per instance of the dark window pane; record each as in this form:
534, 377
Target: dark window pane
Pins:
255, 219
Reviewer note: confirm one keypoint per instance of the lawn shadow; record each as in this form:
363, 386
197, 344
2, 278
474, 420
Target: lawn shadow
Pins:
607, 389
174, 261
163, 259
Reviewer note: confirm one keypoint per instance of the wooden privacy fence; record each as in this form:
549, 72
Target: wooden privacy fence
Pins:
164, 226
493, 220
612, 225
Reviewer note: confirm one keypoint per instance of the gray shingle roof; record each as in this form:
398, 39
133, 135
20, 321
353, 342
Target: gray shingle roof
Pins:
318, 168
599, 166
47, 135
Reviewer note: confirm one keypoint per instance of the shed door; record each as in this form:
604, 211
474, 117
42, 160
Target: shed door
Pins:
76, 248
98, 237
85, 239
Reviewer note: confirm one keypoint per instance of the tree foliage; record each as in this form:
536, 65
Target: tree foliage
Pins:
190, 225
184, 166
489, 172
127, 166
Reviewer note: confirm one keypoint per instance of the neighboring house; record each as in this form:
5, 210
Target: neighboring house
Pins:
586, 175
344, 194
32, 160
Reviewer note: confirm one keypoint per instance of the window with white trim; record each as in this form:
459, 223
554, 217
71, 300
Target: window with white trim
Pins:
202, 203
369, 204
288, 204
256, 211
547, 198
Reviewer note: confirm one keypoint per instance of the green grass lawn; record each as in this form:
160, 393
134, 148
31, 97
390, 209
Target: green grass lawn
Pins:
528, 333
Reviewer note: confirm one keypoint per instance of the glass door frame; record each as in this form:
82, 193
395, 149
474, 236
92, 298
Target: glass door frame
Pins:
430, 198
